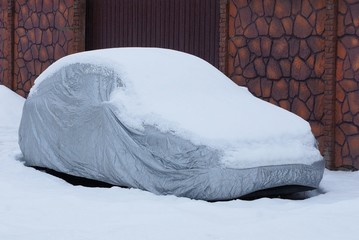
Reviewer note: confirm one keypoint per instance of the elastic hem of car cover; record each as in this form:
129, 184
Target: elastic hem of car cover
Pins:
246, 181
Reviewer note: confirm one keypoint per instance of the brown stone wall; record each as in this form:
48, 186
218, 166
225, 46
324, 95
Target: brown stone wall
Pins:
276, 49
347, 87
40, 33
5, 43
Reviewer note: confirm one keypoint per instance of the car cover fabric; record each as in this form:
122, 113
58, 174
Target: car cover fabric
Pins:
70, 126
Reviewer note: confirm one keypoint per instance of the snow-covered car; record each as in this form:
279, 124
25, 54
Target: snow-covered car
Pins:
163, 121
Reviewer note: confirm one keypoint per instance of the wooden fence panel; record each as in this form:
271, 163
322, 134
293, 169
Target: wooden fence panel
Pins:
186, 25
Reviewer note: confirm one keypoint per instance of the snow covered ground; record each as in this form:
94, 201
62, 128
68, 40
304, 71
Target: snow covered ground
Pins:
35, 205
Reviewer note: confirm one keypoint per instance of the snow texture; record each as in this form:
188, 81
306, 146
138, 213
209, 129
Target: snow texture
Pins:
37, 206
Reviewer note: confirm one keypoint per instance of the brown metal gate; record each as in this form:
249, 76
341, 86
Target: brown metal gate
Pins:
187, 25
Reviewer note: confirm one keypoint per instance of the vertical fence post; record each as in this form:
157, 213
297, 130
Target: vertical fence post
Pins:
223, 35
78, 26
6, 42
330, 82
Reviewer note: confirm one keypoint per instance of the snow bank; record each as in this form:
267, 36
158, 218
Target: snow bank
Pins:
182, 94
11, 105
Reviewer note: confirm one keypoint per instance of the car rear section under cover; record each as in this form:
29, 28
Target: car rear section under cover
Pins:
71, 125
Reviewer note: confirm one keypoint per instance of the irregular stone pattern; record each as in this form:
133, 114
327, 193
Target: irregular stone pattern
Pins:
347, 88
43, 34
5, 69
276, 49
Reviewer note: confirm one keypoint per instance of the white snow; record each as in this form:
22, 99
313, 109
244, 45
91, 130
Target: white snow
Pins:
37, 206
11, 109
10, 114
183, 94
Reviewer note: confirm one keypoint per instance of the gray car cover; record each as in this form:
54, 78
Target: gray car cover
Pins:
70, 126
